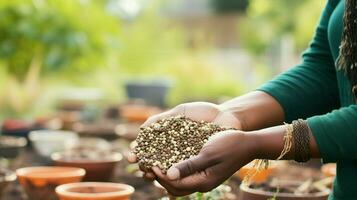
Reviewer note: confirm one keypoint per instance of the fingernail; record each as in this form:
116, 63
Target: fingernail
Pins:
173, 173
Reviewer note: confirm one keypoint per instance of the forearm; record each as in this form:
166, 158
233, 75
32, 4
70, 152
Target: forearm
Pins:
255, 110
269, 143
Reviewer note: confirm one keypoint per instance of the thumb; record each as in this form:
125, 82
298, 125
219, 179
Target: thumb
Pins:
188, 167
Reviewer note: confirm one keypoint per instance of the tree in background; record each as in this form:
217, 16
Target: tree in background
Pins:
44, 37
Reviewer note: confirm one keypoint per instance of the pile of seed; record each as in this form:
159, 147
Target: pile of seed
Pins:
172, 140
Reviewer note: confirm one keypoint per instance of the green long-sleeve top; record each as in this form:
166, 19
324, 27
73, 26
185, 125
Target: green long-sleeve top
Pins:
318, 91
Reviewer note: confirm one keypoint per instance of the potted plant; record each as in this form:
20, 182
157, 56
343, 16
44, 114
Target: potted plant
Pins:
284, 190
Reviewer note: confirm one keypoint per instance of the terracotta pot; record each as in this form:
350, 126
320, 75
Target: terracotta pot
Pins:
39, 183
329, 170
247, 193
94, 191
6, 177
258, 177
138, 113
96, 170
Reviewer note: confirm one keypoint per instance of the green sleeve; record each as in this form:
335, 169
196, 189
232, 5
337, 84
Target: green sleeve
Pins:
336, 134
309, 88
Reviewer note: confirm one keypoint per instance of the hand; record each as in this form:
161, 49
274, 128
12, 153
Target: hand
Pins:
196, 111
220, 158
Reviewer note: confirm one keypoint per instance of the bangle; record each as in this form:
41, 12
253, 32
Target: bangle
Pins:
301, 138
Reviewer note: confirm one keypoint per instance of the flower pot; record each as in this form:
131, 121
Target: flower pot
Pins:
47, 142
39, 183
98, 168
248, 193
138, 113
6, 177
152, 92
94, 191
18, 128
329, 170
258, 176
11, 147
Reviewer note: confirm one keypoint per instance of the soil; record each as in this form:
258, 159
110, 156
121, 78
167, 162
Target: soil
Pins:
268, 186
93, 154
172, 140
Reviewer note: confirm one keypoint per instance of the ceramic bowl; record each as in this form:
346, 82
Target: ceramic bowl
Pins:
47, 142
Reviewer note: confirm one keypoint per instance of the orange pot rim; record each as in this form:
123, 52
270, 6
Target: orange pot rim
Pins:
124, 190
66, 172
116, 157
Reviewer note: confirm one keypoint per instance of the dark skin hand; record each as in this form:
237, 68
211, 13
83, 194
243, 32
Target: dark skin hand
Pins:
198, 111
226, 152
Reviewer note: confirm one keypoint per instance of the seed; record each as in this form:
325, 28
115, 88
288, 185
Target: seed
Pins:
172, 140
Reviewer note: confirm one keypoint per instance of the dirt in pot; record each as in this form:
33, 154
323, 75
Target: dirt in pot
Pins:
88, 154
278, 187
172, 140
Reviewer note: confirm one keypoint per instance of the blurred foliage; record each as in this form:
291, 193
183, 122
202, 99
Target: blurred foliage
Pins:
47, 46
229, 6
75, 34
267, 21
149, 41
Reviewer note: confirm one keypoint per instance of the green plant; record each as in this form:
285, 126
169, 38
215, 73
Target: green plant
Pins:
72, 34
47, 37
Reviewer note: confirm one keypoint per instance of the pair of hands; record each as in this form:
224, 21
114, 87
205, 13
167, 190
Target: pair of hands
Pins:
219, 158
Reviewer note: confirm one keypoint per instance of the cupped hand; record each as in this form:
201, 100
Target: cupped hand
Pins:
220, 158
197, 111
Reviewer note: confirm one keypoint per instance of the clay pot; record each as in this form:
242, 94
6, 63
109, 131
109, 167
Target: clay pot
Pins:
259, 177
138, 113
100, 169
248, 193
329, 170
11, 147
94, 191
39, 183
6, 178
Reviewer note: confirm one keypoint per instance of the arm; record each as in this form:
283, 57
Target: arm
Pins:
333, 137
246, 108
222, 156
308, 89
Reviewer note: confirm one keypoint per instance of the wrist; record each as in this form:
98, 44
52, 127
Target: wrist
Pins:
269, 143
253, 148
235, 114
